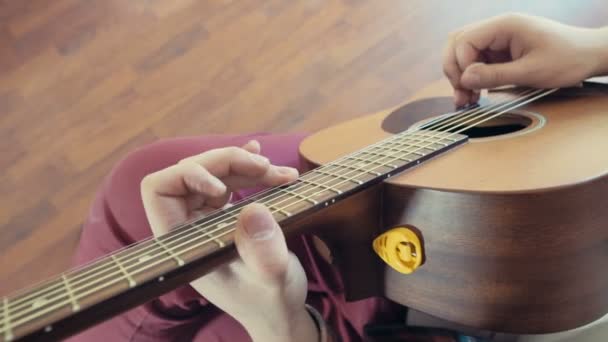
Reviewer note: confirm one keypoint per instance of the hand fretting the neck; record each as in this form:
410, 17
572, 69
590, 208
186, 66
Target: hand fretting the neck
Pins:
151, 264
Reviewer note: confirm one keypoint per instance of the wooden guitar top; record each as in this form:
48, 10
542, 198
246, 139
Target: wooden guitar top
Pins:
568, 148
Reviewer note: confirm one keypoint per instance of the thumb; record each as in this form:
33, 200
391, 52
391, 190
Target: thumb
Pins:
261, 243
484, 76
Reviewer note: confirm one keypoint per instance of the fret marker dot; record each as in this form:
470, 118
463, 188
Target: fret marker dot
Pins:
326, 204
48, 328
161, 278
333, 200
417, 161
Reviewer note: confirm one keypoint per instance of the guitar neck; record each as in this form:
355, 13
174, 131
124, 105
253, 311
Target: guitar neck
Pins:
126, 278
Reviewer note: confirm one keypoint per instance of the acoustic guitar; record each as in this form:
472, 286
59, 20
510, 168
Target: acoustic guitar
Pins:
493, 216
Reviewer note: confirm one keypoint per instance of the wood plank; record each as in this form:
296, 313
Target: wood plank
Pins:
83, 82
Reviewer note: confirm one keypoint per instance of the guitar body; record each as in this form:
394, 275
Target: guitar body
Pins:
514, 226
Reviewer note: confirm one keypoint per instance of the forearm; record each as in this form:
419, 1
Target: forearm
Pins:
600, 51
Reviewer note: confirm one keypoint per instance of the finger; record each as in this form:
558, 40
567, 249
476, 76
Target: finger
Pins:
165, 193
475, 97
453, 72
478, 41
185, 178
275, 175
483, 76
239, 168
465, 54
252, 146
199, 205
450, 65
261, 244
227, 161
462, 97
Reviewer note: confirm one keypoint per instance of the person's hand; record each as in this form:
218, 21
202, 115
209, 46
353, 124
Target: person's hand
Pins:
265, 289
518, 49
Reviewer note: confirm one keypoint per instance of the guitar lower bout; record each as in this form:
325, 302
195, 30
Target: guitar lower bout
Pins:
513, 221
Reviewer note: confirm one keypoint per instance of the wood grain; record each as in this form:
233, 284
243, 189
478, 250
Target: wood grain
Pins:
84, 82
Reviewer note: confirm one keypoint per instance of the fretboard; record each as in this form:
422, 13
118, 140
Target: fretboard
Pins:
45, 311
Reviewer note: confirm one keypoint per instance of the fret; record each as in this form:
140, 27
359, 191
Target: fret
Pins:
145, 258
39, 302
278, 210
434, 134
420, 143
361, 163
414, 138
315, 184
357, 167
132, 282
356, 181
409, 144
389, 165
303, 197
35, 299
216, 238
401, 151
8, 329
68, 289
220, 226
179, 260
383, 156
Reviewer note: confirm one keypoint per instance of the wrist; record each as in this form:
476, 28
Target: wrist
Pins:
299, 327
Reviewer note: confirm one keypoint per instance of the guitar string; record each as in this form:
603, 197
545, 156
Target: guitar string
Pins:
342, 182
229, 231
313, 189
279, 209
14, 304
409, 152
155, 247
119, 253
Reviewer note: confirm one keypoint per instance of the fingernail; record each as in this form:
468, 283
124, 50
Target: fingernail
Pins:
287, 171
259, 224
254, 143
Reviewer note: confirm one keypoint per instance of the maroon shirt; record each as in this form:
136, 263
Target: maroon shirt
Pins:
117, 219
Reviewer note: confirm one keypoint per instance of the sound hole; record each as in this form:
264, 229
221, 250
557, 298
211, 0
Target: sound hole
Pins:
418, 112
504, 124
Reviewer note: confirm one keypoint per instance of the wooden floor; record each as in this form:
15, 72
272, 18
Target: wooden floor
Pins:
82, 82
